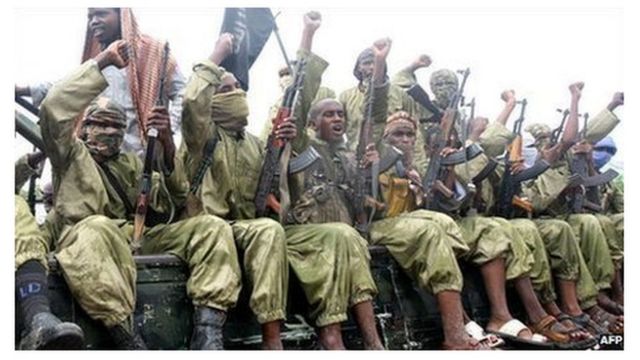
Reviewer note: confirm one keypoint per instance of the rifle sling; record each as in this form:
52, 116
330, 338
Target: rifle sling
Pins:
207, 159
118, 188
486, 171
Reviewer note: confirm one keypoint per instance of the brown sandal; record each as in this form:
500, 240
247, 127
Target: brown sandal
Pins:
548, 327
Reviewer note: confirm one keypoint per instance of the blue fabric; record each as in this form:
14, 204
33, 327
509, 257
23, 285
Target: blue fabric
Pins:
603, 151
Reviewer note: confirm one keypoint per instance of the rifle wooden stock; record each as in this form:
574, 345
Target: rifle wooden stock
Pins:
508, 198
265, 197
515, 150
142, 201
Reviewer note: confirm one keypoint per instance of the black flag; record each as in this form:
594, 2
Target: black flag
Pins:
251, 28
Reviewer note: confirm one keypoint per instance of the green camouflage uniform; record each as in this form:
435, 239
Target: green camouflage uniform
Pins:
314, 250
24, 171
612, 194
475, 239
546, 195
326, 239
91, 229
354, 104
419, 244
556, 252
328, 256
228, 190
30, 242
323, 93
488, 236
613, 205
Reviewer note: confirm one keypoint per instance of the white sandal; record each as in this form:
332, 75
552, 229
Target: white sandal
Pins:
477, 332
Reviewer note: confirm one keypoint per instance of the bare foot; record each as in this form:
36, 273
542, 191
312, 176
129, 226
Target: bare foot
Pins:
466, 342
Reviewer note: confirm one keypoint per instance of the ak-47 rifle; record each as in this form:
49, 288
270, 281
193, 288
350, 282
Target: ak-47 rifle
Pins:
510, 186
464, 127
144, 189
267, 184
580, 166
363, 186
585, 197
555, 133
437, 139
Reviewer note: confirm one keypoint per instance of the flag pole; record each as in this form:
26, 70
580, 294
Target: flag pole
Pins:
284, 52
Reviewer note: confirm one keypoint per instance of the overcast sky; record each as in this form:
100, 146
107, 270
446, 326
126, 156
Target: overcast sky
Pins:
538, 51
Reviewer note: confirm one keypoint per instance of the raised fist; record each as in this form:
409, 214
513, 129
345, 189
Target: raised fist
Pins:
422, 61
224, 45
381, 48
312, 20
508, 95
576, 89
618, 99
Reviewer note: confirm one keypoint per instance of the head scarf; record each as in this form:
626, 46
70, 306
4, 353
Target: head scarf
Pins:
541, 134
603, 151
398, 120
365, 55
104, 140
443, 83
230, 110
144, 70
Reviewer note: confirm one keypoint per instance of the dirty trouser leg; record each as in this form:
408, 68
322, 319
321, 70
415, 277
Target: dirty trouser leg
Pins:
486, 239
451, 228
519, 259
566, 258
618, 221
420, 247
609, 229
99, 269
30, 241
540, 273
331, 262
263, 244
594, 248
205, 244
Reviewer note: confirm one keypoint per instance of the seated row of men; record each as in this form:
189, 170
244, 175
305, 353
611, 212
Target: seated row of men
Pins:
563, 265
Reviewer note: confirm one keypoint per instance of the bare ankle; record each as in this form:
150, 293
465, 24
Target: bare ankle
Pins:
330, 337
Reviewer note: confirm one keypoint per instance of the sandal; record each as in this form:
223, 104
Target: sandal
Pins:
548, 327
489, 341
584, 321
510, 330
606, 320
563, 337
